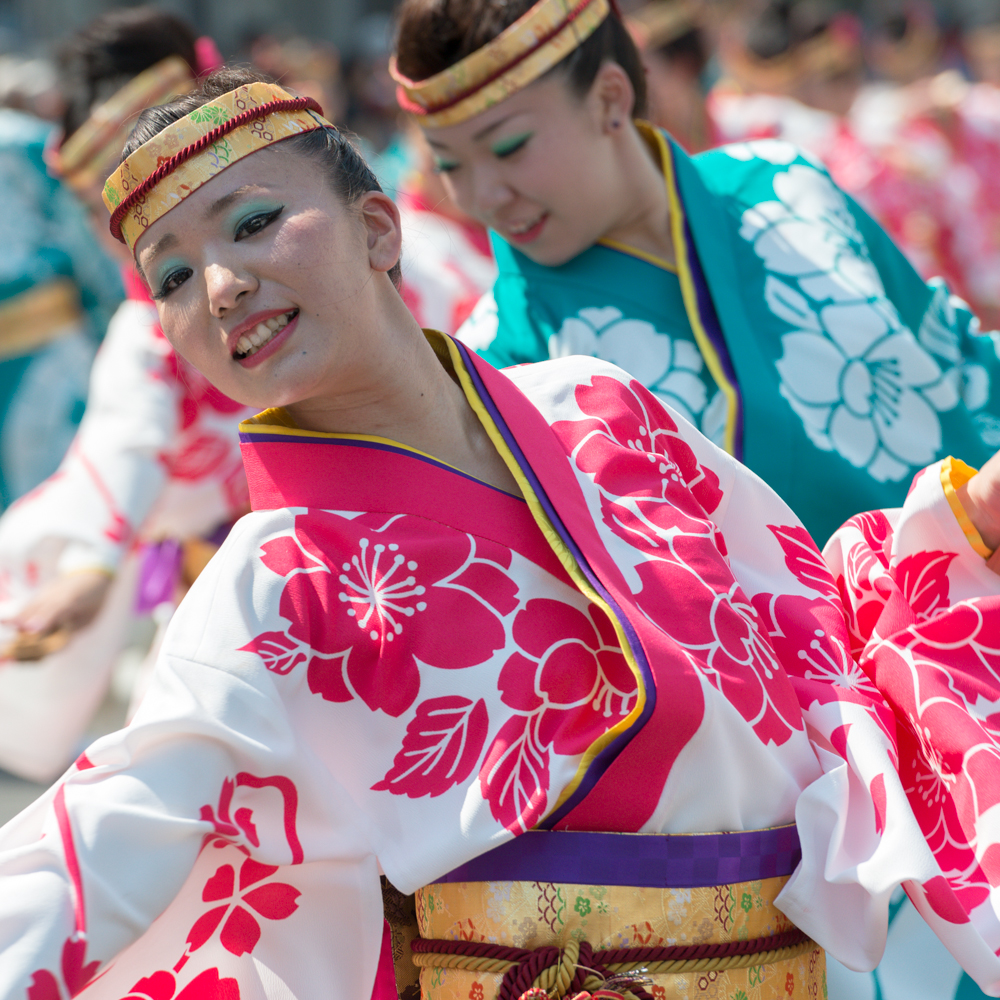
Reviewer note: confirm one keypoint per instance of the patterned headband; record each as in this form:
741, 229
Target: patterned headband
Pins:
188, 153
84, 159
519, 55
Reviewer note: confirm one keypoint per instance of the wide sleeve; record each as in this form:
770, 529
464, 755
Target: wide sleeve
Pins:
204, 848
923, 614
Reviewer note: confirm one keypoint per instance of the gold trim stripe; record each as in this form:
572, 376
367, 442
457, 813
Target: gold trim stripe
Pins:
38, 316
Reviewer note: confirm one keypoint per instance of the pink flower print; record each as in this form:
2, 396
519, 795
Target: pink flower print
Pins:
374, 594
207, 985
571, 671
75, 973
569, 684
633, 447
709, 616
241, 931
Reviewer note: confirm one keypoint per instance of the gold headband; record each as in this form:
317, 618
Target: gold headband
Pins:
161, 173
85, 157
519, 55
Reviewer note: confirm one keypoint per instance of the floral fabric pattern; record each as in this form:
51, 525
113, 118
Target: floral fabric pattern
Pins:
859, 379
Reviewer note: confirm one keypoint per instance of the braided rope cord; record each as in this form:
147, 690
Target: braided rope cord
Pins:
169, 165
577, 967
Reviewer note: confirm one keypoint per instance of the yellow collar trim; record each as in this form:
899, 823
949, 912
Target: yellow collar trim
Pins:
658, 142
518, 56
85, 158
649, 258
161, 173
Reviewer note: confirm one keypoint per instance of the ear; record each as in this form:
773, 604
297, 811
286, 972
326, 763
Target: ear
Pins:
383, 228
614, 95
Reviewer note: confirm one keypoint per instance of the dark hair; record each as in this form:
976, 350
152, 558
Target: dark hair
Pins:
436, 34
344, 166
688, 50
108, 52
783, 25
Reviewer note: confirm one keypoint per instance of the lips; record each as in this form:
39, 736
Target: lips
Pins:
528, 231
259, 336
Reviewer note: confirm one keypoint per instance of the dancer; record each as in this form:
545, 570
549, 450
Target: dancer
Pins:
154, 475
469, 604
741, 286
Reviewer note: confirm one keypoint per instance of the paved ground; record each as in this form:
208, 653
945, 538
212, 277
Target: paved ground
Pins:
16, 793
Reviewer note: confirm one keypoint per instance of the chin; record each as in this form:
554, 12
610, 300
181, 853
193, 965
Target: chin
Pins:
552, 253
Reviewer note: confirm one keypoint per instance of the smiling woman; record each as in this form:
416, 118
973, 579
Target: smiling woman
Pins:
477, 624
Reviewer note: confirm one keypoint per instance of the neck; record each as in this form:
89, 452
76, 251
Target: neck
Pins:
401, 391
644, 222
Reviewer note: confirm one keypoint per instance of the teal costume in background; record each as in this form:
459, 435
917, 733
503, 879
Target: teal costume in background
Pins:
794, 333
58, 290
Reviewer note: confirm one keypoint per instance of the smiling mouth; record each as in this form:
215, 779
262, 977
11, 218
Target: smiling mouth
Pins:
262, 334
524, 227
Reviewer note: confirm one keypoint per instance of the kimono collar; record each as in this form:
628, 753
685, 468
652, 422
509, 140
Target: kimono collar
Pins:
188, 153
519, 55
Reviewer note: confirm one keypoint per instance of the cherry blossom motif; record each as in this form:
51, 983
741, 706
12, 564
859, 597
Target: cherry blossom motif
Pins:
207, 985
775, 151
239, 902
389, 599
670, 368
76, 973
569, 684
857, 377
639, 453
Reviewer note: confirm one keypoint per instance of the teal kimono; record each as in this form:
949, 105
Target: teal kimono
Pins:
58, 290
793, 332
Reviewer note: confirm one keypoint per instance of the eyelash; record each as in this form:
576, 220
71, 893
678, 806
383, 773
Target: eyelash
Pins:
264, 218
165, 288
510, 151
445, 168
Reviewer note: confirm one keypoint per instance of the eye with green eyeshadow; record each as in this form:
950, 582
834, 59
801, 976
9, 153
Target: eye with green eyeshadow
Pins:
445, 166
253, 218
510, 145
172, 274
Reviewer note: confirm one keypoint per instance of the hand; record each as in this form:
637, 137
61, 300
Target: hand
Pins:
980, 497
69, 603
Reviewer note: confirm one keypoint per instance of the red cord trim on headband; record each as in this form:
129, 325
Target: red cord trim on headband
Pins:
170, 165
416, 109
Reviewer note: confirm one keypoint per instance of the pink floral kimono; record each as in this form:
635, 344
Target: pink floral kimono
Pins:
393, 667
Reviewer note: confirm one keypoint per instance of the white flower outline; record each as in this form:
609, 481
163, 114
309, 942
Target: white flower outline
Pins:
670, 367
860, 381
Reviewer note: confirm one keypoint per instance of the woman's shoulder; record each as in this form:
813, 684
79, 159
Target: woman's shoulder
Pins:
736, 168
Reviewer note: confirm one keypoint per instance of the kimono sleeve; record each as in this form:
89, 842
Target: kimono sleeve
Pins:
202, 851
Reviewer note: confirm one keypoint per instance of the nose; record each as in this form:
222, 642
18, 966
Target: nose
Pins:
489, 193
226, 288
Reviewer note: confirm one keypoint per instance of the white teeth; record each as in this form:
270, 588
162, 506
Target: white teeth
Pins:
251, 342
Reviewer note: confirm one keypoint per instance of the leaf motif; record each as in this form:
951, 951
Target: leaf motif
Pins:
281, 654
923, 578
804, 560
441, 747
515, 776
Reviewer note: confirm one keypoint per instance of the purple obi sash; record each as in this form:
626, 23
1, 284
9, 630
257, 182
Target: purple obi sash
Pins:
671, 861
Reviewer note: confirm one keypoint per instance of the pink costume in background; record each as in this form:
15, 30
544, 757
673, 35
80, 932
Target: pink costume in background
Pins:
156, 459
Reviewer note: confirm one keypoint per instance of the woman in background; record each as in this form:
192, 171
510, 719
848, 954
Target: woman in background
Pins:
154, 476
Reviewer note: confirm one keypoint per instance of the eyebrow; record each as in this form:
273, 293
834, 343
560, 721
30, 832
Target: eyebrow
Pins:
165, 242
227, 199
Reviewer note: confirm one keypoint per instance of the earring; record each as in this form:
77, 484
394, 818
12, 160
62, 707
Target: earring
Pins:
615, 123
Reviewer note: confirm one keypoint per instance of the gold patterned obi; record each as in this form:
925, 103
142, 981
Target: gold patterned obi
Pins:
508, 938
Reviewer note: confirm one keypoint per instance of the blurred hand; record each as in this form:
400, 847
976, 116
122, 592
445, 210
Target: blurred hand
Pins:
980, 497
68, 603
